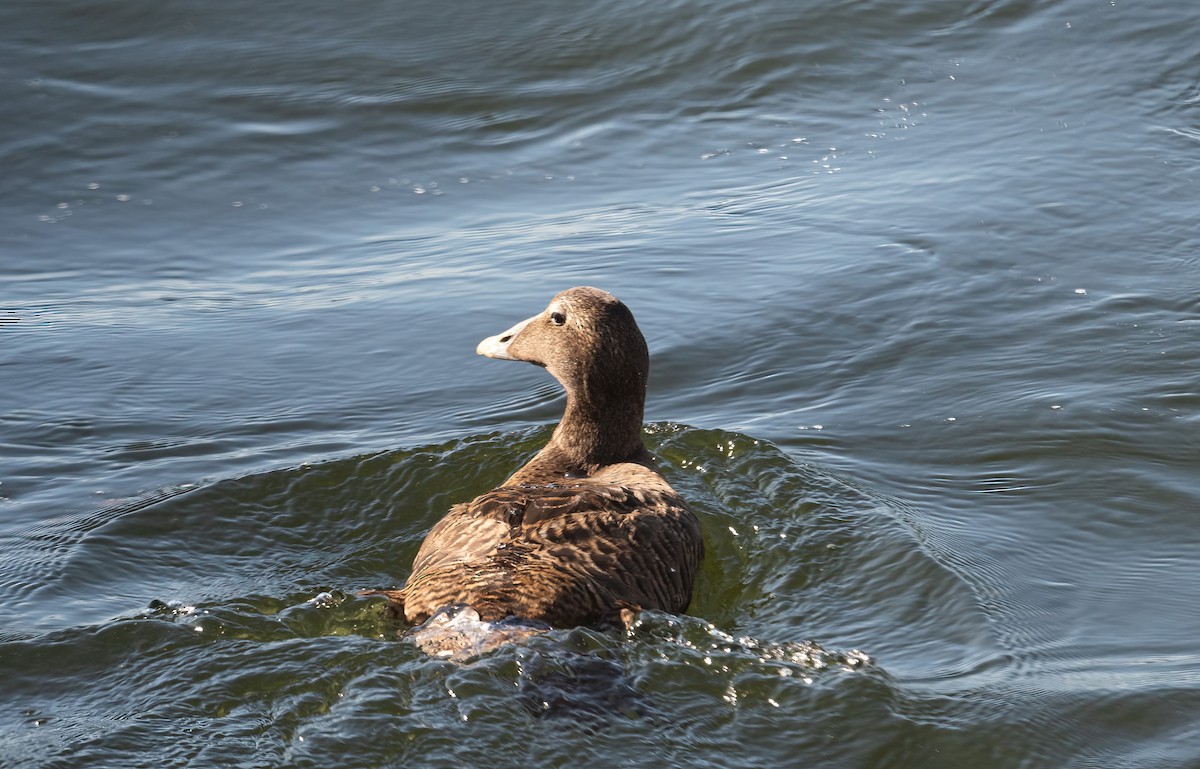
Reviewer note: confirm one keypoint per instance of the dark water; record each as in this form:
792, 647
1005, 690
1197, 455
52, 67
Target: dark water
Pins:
922, 288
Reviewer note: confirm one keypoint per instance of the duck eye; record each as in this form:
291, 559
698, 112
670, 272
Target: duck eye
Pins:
557, 318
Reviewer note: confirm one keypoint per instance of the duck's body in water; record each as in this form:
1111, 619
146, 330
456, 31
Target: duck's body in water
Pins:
588, 532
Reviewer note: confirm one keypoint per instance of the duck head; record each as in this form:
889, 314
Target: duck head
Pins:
588, 340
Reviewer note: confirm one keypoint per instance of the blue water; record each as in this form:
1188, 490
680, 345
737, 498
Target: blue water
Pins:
920, 284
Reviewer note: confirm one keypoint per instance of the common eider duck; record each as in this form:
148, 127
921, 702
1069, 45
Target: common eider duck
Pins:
588, 532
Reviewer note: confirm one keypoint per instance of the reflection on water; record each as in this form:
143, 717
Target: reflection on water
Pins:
799, 561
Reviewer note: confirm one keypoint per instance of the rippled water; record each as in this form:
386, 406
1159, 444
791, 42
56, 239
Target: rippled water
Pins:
920, 286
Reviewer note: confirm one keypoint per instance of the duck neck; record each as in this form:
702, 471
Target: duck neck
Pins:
594, 433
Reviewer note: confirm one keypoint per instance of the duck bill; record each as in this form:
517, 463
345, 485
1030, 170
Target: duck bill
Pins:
497, 346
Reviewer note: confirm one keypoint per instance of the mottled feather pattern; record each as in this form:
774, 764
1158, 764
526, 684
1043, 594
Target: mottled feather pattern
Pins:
570, 554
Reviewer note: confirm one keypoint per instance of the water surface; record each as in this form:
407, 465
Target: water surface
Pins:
920, 286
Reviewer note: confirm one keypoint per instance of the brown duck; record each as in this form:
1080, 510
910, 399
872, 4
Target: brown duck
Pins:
588, 531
